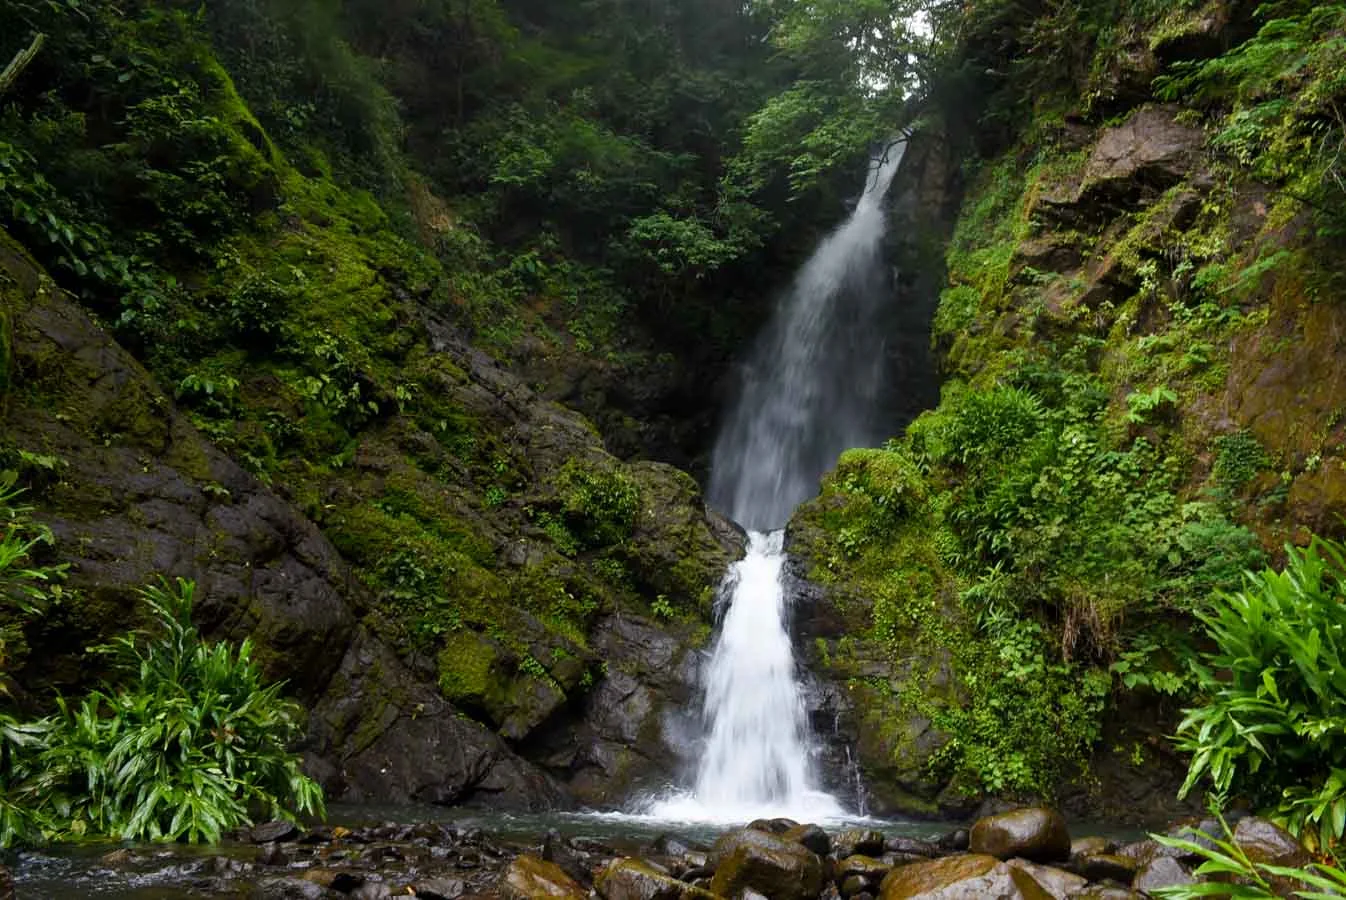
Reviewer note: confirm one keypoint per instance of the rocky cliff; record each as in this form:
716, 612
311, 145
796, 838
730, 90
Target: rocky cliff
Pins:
557, 709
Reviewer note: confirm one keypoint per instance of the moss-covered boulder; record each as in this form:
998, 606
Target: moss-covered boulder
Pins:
749, 859
530, 878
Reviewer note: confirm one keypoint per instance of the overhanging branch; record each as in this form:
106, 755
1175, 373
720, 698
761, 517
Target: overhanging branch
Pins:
20, 62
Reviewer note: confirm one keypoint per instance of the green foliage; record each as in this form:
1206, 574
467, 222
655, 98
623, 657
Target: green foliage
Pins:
1227, 871
26, 585
1238, 459
1270, 727
599, 501
192, 745
1144, 407
1032, 719
1279, 94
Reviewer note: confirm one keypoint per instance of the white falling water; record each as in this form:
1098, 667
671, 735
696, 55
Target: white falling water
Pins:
809, 393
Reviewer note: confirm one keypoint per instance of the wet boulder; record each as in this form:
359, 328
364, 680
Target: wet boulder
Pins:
635, 879
857, 874
958, 877
1057, 882
810, 836
440, 889
1033, 833
1105, 867
530, 878
1266, 843
1089, 846
1162, 872
861, 841
767, 863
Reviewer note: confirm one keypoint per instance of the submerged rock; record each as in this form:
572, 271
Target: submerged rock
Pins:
1034, 833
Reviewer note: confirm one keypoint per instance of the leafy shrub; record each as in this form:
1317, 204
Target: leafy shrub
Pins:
192, 745
1271, 726
600, 502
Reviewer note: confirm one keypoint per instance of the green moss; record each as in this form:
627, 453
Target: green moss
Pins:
600, 501
470, 670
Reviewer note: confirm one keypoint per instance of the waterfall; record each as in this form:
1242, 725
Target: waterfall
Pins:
809, 391
811, 387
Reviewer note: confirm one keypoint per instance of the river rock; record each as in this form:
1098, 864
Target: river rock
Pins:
1267, 843
572, 862
961, 877
1106, 867
634, 879
440, 889
1034, 833
764, 862
6, 884
1161, 872
292, 889
278, 830
1057, 882
530, 878
334, 879
810, 836
1089, 846
864, 873
861, 841
912, 846
955, 841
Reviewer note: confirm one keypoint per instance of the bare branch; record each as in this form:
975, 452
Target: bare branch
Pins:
20, 62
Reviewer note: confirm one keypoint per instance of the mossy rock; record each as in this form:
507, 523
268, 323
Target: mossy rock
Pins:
673, 550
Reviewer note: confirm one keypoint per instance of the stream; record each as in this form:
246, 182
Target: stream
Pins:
409, 844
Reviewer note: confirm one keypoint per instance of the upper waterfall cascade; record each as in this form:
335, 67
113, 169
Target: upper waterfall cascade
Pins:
809, 391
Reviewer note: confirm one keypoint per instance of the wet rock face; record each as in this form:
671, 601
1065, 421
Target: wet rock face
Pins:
1150, 150
142, 494
152, 497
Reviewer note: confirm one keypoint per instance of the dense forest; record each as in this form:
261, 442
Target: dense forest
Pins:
360, 361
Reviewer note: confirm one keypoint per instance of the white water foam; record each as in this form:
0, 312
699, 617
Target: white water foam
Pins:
756, 762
